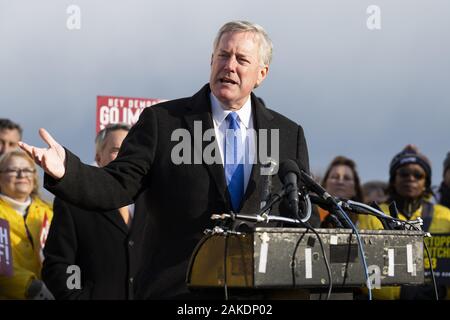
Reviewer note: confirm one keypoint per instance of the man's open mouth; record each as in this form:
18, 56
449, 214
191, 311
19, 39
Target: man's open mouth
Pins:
227, 80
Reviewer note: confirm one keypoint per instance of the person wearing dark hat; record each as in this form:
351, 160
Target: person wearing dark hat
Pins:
410, 188
443, 193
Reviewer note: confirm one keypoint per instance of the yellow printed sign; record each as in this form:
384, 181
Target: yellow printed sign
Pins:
439, 249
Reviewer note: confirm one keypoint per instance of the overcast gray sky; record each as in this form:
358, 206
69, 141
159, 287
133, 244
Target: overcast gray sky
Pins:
357, 92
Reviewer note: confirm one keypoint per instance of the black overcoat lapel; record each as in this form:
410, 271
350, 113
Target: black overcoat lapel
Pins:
200, 110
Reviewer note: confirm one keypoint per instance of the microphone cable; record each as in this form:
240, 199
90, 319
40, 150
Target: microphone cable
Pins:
327, 265
293, 258
436, 294
360, 246
382, 215
225, 254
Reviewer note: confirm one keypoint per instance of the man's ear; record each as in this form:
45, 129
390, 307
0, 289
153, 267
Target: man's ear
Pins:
262, 74
97, 159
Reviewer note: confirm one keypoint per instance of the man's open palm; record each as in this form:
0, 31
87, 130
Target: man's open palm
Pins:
51, 159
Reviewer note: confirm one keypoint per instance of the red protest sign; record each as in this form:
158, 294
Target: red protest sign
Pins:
6, 264
112, 109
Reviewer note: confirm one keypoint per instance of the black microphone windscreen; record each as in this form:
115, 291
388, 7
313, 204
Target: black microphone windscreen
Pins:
286, 167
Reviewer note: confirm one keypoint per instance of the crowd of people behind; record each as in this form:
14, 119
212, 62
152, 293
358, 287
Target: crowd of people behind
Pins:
30, 217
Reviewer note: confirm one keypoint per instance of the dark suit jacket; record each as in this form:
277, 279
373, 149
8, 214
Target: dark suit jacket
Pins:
107, 252
181, 197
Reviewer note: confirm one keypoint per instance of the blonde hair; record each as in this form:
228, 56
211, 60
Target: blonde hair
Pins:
4, 159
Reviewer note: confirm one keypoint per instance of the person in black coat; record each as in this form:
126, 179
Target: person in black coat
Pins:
182, 195
95, 255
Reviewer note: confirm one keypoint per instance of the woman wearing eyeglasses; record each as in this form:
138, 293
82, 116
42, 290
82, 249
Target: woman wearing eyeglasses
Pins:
341, 180
410, 188
29, 218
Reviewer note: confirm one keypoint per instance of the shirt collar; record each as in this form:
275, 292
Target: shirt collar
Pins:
20, 207
219, 113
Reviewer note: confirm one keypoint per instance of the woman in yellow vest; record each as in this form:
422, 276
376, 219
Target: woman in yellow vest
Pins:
410, 188
29, 219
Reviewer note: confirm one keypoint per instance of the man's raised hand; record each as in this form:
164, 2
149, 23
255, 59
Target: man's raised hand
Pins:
51, 159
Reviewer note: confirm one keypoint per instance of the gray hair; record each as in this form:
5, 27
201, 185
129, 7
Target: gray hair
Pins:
102, 134
264, 42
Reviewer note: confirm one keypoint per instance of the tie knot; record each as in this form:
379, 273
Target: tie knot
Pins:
233, 119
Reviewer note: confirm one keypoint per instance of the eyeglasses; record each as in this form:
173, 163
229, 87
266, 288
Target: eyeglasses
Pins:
406, 173
345, 179
16, 172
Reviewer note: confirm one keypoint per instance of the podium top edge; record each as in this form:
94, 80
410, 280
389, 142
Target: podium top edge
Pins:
341, 231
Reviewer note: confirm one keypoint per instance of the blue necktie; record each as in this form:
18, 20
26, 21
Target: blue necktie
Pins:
234, 162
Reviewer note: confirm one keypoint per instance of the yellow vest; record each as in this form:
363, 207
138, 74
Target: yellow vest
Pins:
440, 223
25, 253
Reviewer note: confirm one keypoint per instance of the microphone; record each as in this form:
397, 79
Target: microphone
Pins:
288, 174
316, 188
267, 171
341, 201
320, 202
324, 195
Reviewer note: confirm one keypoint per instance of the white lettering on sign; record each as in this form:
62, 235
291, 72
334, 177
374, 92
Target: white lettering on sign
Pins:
4, 246
110, 115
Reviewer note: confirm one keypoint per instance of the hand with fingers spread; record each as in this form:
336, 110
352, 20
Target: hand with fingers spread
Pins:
52, 159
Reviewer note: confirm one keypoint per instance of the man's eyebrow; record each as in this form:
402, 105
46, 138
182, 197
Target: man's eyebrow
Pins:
242, 55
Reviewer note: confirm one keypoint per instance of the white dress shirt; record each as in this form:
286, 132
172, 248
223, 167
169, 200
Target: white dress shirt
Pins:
219, 114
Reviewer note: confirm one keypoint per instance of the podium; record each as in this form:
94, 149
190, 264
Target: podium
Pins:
292, 258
